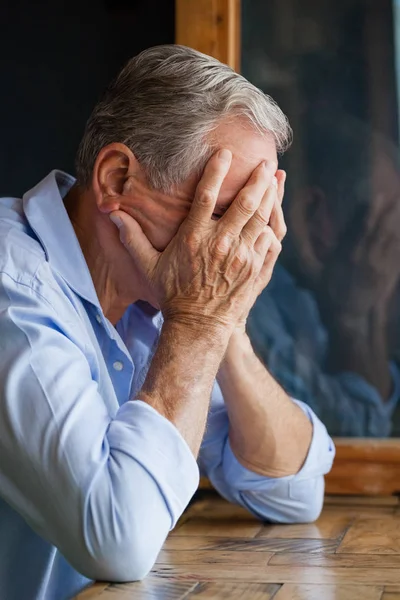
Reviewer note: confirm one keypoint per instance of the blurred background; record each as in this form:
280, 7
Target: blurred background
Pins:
333, 340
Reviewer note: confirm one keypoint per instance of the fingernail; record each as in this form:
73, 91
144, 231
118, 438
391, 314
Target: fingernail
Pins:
116, 220
225, 155
274, 181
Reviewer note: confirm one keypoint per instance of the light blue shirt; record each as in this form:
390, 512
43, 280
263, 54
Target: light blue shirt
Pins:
92, 480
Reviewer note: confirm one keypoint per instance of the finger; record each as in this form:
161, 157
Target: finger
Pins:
263, 242
262, 216
248, 200
277, 220
208, 188
273, 249
267, 243
134, 240
281, 178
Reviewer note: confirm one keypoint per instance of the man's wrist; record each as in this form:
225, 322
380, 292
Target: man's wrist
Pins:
181, 376
238, 348
197, 332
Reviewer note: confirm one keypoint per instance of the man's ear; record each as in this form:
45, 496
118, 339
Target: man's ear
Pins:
113, 169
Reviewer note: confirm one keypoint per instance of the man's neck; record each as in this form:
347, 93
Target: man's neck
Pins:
110, 266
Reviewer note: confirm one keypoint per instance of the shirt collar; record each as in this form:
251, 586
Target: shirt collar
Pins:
46, 214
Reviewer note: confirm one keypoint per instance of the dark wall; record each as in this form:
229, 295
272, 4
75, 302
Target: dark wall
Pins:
55, 59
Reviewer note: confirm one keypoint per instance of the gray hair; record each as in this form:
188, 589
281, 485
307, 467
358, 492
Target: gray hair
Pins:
164, 106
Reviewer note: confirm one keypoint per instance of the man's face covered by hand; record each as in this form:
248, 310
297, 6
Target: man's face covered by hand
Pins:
160, 215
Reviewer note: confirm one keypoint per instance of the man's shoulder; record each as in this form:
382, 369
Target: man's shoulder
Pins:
21, 253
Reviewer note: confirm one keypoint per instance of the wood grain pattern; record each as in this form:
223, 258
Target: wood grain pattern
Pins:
281, 574
211, 26
351, 553
364, 511
149, 589
328, 592
251, 545
225, 590
328, 526
372, 501
216, 508
214, 557
364, 561
94, 591
222, 528
373, 536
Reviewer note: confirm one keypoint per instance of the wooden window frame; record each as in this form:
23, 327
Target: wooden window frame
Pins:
362, 465
210, 26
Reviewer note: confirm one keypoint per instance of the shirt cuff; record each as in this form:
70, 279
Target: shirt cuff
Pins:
150, 439
318, 462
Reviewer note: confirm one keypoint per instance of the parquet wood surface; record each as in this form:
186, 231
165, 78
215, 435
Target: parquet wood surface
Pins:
220, 552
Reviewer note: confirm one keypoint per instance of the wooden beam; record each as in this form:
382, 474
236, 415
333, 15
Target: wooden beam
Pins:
365, 466
210, 26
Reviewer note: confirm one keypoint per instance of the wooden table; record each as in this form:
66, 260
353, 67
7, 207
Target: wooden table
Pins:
219, 551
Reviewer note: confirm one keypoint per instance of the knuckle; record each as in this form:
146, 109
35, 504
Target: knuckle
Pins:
242, 255
246, 204
222, 243
205, 196
192, 239
262, 217
241, 263
247, 232
269, 234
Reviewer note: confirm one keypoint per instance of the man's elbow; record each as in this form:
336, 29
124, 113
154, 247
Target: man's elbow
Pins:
308, 512
307, 502
123, 567
131, 560
293, 503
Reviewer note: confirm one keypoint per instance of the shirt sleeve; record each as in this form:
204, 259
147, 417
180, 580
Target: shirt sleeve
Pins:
103, 489
293, 499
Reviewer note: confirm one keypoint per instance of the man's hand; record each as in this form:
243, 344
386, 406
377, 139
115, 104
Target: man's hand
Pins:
203, 282
211, 272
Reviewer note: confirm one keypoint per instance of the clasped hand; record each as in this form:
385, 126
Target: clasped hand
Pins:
212, 271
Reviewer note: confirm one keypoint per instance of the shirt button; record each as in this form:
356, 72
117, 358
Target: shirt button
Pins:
98, 318
118, 365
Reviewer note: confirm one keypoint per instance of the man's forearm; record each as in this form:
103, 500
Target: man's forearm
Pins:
181, 377
269, 434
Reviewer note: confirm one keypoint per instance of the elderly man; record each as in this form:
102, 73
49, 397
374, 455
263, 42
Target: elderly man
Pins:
123, 303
